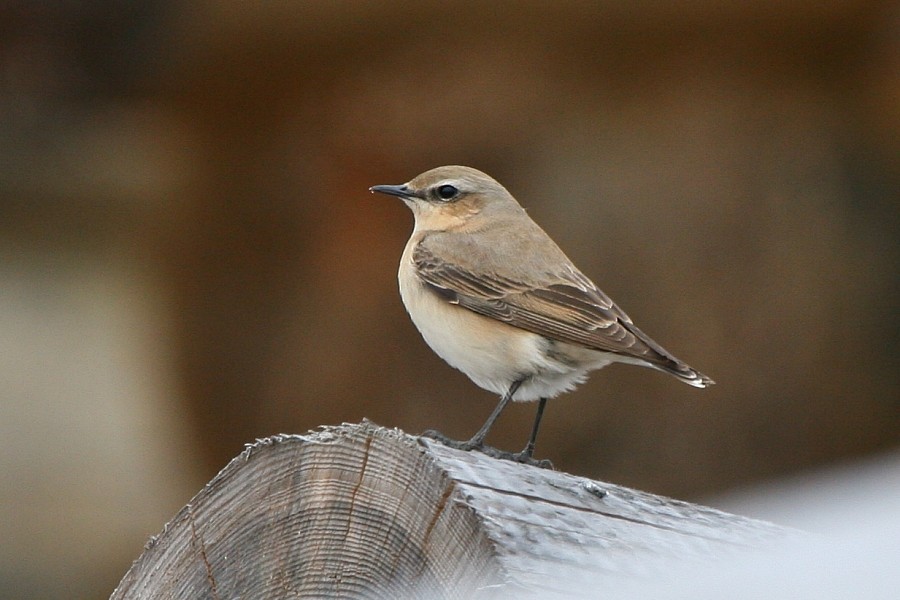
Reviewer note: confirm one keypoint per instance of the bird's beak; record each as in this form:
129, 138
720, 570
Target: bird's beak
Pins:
401, 191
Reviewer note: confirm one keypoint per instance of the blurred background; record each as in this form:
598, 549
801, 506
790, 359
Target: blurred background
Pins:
189, 258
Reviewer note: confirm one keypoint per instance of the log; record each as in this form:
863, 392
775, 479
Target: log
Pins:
360, 511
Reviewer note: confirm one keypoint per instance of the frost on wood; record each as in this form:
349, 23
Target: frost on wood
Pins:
360, 511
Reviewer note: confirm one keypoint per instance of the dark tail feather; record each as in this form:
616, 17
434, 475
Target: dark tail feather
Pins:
660, 358
690, 376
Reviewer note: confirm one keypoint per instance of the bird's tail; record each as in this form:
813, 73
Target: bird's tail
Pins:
690, 376
660, 358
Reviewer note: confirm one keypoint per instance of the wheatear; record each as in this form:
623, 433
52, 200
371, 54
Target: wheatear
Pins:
496, 298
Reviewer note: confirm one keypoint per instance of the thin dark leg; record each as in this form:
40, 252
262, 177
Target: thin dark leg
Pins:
477, 440
528, 452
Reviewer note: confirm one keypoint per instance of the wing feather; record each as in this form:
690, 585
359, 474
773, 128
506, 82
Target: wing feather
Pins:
570, 309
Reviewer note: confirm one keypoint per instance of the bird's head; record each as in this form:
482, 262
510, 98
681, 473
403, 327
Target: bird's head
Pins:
452, 197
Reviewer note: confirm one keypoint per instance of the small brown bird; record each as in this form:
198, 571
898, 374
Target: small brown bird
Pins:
496, 298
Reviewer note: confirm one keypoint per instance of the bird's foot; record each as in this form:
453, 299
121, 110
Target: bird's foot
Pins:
437, 436
527, 459
468, 445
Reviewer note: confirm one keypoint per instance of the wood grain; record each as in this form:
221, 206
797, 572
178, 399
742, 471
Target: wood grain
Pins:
360, 511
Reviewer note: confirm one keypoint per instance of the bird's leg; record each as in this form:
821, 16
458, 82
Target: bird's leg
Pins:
528, 452
526, 455
477, 440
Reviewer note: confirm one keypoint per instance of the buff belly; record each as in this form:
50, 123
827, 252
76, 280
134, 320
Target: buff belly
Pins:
494, 354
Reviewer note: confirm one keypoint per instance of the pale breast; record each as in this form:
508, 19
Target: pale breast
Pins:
491, 353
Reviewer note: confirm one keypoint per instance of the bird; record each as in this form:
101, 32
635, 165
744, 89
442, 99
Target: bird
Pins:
496, 298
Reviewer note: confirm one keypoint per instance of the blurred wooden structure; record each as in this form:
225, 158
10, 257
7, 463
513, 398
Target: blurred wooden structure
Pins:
360, 511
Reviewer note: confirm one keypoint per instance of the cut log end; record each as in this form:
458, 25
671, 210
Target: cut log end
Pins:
360, 511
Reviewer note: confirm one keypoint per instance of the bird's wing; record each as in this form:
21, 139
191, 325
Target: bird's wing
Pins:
567, 307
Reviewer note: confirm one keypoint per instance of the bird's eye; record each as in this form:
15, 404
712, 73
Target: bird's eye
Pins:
447, 192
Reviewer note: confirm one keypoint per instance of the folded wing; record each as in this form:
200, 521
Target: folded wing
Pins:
567, 307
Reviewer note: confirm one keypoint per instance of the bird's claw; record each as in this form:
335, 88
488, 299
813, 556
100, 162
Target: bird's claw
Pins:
469, 445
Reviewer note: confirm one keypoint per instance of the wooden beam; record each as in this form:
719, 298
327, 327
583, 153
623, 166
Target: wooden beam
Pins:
360, 511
